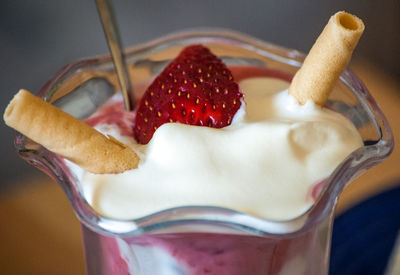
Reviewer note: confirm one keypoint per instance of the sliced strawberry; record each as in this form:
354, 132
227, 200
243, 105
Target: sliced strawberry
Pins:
196, 88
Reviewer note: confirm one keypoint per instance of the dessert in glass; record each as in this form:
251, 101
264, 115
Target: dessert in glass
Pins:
174, 236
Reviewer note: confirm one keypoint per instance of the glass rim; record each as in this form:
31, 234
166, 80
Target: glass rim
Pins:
357, 160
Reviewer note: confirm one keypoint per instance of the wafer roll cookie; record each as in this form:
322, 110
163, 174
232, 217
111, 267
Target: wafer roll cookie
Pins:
67, 136
327, 59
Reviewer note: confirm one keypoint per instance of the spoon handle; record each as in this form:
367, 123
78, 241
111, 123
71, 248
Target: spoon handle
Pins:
113, 39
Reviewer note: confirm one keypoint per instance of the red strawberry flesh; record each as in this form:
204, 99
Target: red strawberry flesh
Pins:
196, 88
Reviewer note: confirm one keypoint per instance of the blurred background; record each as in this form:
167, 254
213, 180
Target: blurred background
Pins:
38, 37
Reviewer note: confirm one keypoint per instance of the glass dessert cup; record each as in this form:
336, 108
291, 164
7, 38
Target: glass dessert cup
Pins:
206, 239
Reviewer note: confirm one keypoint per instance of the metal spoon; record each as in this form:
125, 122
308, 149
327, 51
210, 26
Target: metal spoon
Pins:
113, 39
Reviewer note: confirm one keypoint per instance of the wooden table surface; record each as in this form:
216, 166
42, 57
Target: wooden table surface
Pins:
39, 234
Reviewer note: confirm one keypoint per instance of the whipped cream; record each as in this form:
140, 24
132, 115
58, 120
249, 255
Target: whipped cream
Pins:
265, 164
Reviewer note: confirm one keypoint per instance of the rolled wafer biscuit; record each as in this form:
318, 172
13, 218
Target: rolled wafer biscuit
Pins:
327, 59
67, 136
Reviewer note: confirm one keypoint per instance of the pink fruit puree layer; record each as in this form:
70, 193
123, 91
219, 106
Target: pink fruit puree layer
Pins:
205, 254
